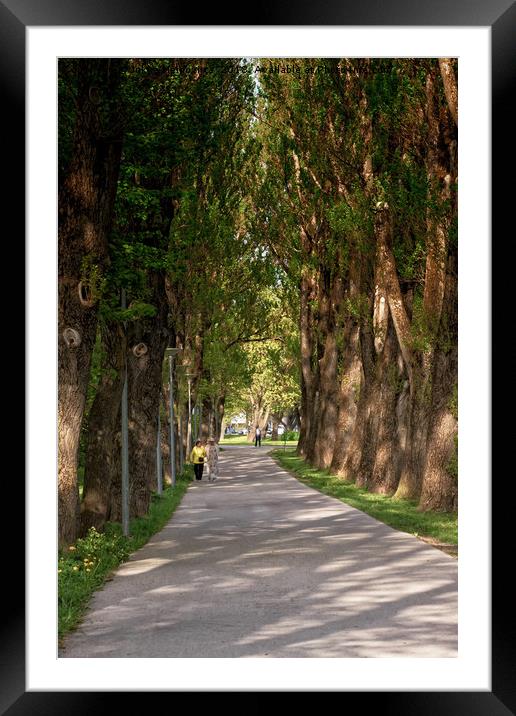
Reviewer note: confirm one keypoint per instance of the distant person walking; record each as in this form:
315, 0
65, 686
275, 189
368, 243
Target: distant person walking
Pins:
198, 458
212, 464
257, 437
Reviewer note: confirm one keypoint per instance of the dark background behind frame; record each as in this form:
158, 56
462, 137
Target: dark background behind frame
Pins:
500, 15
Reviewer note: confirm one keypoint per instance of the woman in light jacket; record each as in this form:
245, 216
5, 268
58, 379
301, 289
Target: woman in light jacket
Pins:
198, 457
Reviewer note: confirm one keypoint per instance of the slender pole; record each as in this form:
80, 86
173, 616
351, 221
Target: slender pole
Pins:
125, 447
189, 434
180, 434
172, 435
194, 421
158, 454
194, 425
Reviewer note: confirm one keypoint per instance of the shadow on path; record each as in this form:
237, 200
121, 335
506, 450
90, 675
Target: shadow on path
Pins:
259, 564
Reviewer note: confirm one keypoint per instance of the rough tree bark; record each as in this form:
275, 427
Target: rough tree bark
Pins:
86, 202
450, 86
307, 289
350, 469
382, 472
353, 391
328, 384
103, 427
440, 488
385, 471
320, 325
220, 412
147, 340
376, 469
275, 424
114, 513
349, 391
206, 418
422, 386
439, 481
260, 418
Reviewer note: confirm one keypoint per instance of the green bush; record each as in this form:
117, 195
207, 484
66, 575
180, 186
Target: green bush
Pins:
83, 568
290, 435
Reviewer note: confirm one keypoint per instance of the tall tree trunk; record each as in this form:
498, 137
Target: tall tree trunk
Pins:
165, 431
328, 384
262, 423
409, 485
220, 412
450, 86
291, 419
320, 330
439, 181
375, 467
348, 397
363, 281
103, 427
440, 490
380, 471
86, 203
438, 224
260, 419
385, 473
214, 419
114, 512
206, 418
184, 408
275, 423
351, 373
147, 340
357, 369
359, 452
307, 389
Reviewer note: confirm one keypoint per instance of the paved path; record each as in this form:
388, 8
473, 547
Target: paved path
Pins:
259, 565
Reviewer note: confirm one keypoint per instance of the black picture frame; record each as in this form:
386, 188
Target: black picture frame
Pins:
500, 16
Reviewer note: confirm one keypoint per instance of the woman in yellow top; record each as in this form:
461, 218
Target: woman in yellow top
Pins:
198, 457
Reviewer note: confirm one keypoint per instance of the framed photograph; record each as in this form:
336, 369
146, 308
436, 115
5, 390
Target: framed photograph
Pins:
33, 35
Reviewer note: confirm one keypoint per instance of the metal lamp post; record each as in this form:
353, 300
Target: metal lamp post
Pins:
189, 429
170, 353
180, 433
195, 423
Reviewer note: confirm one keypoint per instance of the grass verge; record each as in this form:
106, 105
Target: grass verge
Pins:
436, 528
88, 564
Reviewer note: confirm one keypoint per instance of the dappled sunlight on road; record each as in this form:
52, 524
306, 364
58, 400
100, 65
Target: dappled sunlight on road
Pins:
129, 569
258, 564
